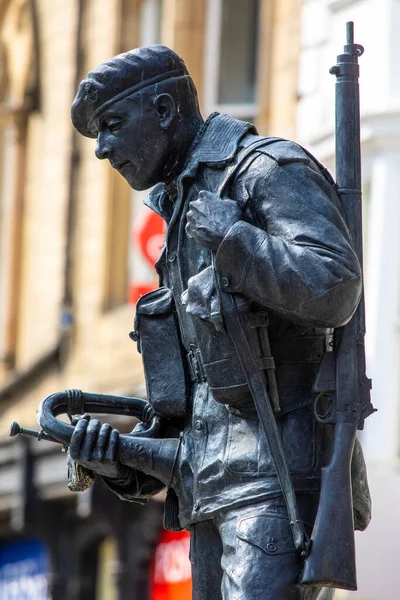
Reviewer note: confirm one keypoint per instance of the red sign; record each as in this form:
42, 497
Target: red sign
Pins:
149, 232
171, 572
148, 236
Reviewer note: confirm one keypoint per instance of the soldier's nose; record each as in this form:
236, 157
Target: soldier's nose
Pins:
102, 151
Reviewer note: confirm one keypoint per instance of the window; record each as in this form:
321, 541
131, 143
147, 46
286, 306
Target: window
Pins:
128, 272
18, 96
231, 57
147, 228
107, 559
6, 162
150, 23
366, 201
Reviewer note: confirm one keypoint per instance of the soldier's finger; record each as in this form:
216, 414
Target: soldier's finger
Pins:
111, 453
90, 439
102, 441
190, 216
196, 205
199, 209
77, 438
188, 230
206, 195
75, 419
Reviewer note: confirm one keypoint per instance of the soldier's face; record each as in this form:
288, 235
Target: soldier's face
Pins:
130, 137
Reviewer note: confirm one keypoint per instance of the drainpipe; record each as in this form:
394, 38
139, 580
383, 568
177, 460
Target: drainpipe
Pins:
66, 317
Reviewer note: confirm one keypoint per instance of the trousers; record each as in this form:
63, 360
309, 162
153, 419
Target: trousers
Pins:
248, 554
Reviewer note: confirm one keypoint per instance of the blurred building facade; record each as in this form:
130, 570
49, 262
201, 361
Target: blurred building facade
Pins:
76, 247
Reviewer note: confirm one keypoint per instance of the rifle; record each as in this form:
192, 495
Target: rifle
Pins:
343, 388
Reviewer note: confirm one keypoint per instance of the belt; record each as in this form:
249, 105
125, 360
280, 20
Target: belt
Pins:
300, 349
288, 350
296, 349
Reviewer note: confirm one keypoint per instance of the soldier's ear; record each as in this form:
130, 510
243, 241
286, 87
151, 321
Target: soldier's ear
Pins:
166, 109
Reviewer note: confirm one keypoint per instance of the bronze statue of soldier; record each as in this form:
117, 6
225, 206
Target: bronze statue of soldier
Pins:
256, 271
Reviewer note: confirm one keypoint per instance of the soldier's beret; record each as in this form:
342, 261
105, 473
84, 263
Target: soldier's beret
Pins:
119, 77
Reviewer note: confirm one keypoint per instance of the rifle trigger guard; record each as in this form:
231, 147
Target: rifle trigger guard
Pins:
326, 416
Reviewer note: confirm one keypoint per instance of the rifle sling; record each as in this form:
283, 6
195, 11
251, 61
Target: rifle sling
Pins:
236, 327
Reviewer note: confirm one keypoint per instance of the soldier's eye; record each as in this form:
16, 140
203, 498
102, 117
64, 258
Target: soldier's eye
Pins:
114, 124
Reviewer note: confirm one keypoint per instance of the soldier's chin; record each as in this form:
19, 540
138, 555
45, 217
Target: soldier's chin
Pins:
139, 180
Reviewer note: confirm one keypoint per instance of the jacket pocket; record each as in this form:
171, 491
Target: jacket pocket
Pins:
248, 450
244, 448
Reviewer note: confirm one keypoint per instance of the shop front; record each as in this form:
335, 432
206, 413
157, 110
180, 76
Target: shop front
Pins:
170, 572
24, 570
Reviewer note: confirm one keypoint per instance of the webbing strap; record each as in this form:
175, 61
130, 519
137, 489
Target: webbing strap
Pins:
239, 159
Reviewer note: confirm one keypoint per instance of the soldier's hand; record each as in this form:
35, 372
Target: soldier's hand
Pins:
95, 446
210, 218
201, 297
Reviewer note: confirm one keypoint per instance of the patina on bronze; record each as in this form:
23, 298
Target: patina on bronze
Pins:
251, 423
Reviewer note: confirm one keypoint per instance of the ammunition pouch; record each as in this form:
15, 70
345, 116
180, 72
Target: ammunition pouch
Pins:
225, 376
157, 335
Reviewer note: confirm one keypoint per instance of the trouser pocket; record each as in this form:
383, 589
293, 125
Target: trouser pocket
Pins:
259, 558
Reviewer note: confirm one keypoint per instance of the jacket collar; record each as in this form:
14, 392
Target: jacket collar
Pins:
216, 144
217, 140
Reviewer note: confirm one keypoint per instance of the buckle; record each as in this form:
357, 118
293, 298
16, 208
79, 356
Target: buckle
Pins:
196, 365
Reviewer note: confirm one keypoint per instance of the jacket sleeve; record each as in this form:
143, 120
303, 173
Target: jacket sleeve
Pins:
291, 252
137, 487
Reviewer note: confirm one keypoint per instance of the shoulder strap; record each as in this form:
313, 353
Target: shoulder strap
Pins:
261, 143
240, 158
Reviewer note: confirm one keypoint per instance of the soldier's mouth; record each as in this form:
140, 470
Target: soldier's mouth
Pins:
122, 165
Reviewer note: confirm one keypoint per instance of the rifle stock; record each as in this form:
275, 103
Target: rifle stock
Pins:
332, 559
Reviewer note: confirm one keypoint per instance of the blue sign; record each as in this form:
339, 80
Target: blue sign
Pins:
24, 567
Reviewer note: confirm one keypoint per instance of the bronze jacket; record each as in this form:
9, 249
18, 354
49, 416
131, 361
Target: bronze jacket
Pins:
291, 260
